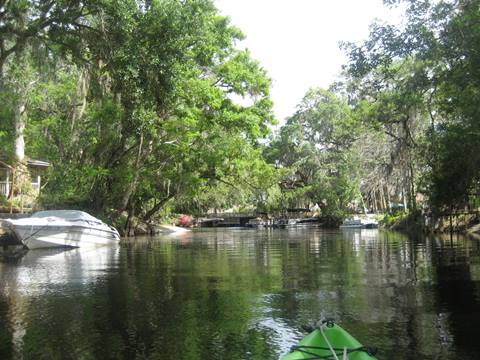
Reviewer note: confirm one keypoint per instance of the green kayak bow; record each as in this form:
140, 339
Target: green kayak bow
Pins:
329, 341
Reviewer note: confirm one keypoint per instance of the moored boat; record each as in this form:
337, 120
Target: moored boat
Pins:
284, 223
61, 228
256, 223
170, 229
329, 341
360, 223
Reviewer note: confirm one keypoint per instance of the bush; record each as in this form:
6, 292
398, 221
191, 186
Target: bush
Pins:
403, 220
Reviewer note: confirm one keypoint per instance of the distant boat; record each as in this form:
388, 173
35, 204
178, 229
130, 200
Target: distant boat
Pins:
309, 220
170, 229
257, 222
283, 223
61, 228
359, 223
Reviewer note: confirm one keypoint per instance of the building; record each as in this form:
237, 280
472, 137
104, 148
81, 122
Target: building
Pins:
36, 169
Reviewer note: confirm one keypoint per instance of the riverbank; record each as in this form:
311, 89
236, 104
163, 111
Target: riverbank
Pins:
418, 222
138, 227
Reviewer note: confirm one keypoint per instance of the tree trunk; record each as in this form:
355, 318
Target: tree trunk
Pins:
388, 198
404, 199
20, 123
21, 173
156, 207
374, 201
129, 230
413, 200
79, 104
133, 185
382, 199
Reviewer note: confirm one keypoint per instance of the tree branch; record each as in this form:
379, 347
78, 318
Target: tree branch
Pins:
157, 207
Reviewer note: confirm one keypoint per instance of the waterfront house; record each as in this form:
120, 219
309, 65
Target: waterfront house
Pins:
36, 169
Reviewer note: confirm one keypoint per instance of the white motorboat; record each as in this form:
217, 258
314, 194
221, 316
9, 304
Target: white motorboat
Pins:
170, 229
61, 228
360, 223
256, 223
284, 223
352, 223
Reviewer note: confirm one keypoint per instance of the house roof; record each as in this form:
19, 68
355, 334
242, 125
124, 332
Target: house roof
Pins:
38, 163
4, 165
30, 162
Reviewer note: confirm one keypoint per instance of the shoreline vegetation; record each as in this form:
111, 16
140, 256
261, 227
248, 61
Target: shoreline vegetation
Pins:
400, 221
412, 223
141, 121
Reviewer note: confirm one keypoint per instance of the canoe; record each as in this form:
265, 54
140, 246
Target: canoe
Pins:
330, 341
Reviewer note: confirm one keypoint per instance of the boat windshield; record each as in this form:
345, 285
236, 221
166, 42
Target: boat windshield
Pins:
70, 215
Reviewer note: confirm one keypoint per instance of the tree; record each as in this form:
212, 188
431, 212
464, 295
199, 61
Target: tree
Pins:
424, 74
29, 29
143, 112
392, 100
314, 148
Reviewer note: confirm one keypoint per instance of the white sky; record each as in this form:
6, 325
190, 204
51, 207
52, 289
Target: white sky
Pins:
296, 41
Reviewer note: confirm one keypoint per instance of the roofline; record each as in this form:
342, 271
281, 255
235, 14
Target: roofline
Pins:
38, 163
33, 163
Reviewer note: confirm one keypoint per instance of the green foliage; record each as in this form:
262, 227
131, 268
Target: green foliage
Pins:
314, 149
3, 200
406, 221
454, 177
133, 104
392, 219
418, 83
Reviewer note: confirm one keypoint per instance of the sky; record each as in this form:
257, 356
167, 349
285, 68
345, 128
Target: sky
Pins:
297, 41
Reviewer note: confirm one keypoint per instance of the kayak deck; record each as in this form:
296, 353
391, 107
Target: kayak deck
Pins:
317, 344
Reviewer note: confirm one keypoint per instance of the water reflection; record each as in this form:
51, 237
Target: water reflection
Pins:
36, 275
41, 270
243, 294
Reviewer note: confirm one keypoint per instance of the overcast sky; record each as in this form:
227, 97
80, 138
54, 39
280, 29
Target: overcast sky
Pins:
296, 41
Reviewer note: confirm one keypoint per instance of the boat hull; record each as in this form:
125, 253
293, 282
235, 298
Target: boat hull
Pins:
362, 226
315, 345
363, 223
170, 229
35, 237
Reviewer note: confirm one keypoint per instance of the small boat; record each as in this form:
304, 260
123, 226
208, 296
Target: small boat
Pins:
256, 223
352, 223
329, 341
61, 228
309, 220
170, 229
284, 223
359, 223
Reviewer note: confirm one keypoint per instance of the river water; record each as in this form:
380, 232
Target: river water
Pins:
243, 294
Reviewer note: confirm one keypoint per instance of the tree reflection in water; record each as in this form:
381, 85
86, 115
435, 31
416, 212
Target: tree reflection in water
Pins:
242, 294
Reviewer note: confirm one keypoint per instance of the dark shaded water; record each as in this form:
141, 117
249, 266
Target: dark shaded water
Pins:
243, 294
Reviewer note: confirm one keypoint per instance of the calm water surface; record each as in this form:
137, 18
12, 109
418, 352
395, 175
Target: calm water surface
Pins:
243, 294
